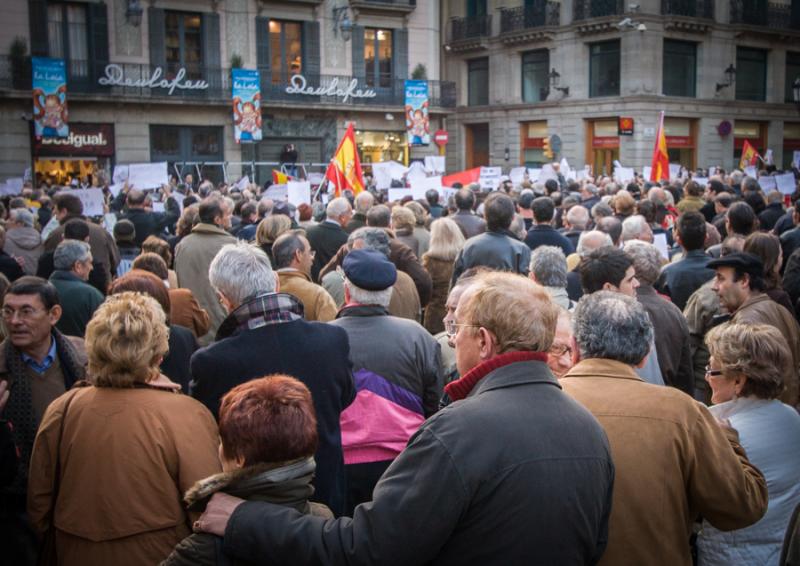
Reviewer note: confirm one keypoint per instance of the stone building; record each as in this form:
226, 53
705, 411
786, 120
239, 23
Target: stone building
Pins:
723, 71
117, 52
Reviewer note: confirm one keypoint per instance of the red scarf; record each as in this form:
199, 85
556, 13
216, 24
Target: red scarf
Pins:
460, 388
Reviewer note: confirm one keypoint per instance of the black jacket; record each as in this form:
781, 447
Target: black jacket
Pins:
770, 216
9, 267
470, 223
149, 223
315, 353
544, 235
182, 344
497, 250
98, 277
325, 238
680, 279
516, 473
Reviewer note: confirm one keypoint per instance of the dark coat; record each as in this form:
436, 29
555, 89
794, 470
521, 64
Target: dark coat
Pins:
182, 344
104, 249
315, 353
791, 276
9, 267
497, 250
358, 220
78, 302
574, 286
98, 277
680, 279
325, 238
149, 223
470, 223
482, 500
790, 241
544, 235
770, 216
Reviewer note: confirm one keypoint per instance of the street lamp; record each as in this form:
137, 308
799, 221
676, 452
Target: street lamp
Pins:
554, 78
342, 23
133, 14
730, 76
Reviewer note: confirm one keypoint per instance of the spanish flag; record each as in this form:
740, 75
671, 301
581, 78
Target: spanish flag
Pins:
279, 178
344, 172
659, 166
749, 155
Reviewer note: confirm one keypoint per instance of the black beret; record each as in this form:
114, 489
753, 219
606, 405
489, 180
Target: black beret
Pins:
369, 270
745, 262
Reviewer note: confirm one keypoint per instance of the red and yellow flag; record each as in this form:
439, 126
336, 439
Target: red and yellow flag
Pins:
344, 172
279, 178
749, 155
659, 166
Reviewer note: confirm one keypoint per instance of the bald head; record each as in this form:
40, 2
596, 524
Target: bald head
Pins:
592, 240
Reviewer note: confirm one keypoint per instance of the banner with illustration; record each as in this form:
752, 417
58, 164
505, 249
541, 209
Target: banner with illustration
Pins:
417, 124
246, 105
49, 98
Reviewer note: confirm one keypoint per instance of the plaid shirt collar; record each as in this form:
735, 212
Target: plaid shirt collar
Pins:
261, 310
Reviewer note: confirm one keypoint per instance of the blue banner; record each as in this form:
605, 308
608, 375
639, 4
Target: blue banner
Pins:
417, 124
246, 105
49, 98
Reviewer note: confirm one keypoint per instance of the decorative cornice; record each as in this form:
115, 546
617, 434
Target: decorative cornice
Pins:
533, 35
471, 44
688, 25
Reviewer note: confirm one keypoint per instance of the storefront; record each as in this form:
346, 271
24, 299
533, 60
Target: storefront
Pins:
791, 143
681, 134
753, 132
532, 136
85, 155
376, 146
602, 145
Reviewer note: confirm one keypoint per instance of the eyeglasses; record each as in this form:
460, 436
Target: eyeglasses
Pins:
451, 327
23, 313
713, 372
559, 350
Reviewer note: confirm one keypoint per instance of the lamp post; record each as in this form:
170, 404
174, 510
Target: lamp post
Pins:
730, 77
554, 78
342, 23
133, 13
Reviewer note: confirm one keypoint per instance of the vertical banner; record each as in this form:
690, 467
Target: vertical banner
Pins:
417, 125
246, 105
49, 98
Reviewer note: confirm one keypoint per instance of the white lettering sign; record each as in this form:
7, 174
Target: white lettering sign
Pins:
77, 141
300, 86
115, 76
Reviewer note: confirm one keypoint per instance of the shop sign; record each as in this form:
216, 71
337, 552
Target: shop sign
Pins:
599, 142
115, 76
441, 137
299, 85
93, 140
625, 126
680, 141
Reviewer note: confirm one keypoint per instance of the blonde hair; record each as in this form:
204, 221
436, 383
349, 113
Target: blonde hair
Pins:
623, 202
403, 218
126, 340
271, 227
516, 310
418, 210
446, 240
757, 351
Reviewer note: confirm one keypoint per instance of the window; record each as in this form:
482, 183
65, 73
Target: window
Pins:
533, 134
792, 74
185, 145
286, 50
680, 68
183, 43
476, 8
751, 74
378, 57
68, 37
534, 75
604, 69
478, 82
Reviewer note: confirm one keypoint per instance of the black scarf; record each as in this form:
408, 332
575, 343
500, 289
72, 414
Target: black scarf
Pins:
19, 411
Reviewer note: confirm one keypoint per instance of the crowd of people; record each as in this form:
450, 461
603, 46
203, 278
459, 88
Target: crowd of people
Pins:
551, 373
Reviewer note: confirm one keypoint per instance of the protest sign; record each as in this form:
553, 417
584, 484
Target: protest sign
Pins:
399, 194
415, 171
646, 173
547, 172
277, 192
768, 184
624, 174
674, 170
786, 183
702, 181
490, 178
120, 174
298, 192
660, 242
92, 200
517, 175
148, 175
434, 163
751, 171
533, 174
796, 159
420, 186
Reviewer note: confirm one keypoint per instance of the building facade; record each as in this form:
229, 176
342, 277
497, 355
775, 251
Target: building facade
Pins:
150, 80
723, 71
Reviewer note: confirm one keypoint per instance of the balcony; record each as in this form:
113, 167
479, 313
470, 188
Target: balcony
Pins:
589, 9
688, 8
522, 18
470, 28
388, 7
777, 17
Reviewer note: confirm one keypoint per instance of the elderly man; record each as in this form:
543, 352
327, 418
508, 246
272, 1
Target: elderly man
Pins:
397, 377
495, 248
37, 363
739, 283
549, 269
681, 278
636, 227
293, 259
470, 467
470, 223
587, 243
23, 240
265, 333
329, 235
146, 222
73, 263
674, 461
363, 202
194, 254
671, 330
575, 223
590, 196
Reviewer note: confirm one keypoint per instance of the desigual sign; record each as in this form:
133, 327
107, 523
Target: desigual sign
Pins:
299, 85
96, 140
115, 76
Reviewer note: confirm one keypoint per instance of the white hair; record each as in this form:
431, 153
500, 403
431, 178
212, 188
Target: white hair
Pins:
364, 201
337, 207
69, 252
21, 216
240, 271
592, 240
364, 297
633, 227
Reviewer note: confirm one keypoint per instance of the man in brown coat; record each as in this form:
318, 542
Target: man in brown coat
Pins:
739, 282
673, 461
293, 258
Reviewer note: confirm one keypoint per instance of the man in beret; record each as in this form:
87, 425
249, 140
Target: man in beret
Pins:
739, 282
396, 370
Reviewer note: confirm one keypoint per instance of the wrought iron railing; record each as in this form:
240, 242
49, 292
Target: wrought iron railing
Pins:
470, 27
765, 14
587, 9
688, 8
540, 13
391, 2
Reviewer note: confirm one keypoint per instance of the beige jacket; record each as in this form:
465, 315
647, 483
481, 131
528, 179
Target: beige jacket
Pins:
317, 303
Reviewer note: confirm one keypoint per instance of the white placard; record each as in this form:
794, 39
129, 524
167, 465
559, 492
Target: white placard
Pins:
786, 183
674, 170
768, 184
796, 159
490, 178
243, 183
415, 171
116, 188
420, 186
751, 171
624, 174
533, 174
434, 163
547, 172
563, 167
92, 200
712, 171
382, 175
399, 194
517, 175
702, 181
277, 192
13, 186
581, 175
660, 242
298, 192
159, 206
315, 178
646, 172
448, 192
120, 174
148, 175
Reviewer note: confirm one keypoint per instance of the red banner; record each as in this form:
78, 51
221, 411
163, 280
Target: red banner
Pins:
464, 177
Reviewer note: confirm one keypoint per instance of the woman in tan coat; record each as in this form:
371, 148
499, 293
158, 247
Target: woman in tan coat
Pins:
446, 241
124, 447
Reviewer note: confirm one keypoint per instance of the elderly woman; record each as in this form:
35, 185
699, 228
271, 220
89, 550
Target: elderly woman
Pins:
154, 244
745, 375
268, 231
268, 430
446, 241
112, 459
403, 223
421, 233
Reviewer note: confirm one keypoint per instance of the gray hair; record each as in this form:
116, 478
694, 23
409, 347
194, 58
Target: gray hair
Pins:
602, 210
364, 297
590, 188
646, 260
736, 177
750, 184
549, 266
241, 270
337, 207
364, 200
21, 216
633, 227
578, 217
375, 239
612, 326
592, 240
70, 251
